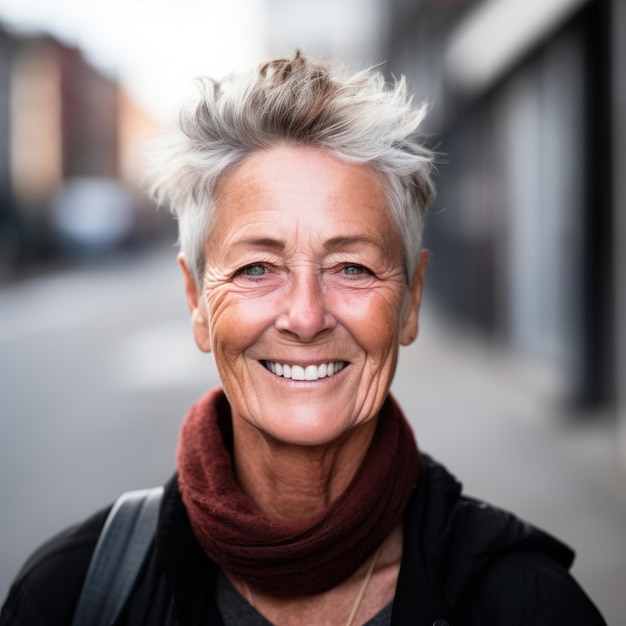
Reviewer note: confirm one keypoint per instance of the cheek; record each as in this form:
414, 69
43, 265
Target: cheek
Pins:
234, 322
373, 319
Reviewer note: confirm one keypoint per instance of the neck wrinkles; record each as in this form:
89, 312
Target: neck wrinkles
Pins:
290, 483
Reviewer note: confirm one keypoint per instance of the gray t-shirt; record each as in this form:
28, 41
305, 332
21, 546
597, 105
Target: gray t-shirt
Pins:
237, 611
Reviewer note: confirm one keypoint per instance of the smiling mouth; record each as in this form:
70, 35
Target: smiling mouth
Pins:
310, 372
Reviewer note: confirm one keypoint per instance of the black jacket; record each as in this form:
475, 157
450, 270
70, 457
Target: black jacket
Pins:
464, 562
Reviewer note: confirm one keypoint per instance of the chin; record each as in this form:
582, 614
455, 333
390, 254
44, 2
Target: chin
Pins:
308, 428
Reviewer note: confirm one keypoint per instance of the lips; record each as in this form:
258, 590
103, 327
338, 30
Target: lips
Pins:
309, 372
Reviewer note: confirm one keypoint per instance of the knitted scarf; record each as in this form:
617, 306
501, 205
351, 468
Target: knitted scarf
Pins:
291, 559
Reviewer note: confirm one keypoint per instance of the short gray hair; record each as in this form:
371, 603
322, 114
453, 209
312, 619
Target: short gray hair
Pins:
357, 118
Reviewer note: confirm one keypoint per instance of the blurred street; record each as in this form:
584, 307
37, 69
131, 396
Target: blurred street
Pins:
98, 367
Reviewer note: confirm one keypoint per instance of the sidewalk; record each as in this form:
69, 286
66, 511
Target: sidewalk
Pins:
494, 420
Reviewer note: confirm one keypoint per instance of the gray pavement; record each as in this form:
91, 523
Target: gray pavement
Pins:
97, 368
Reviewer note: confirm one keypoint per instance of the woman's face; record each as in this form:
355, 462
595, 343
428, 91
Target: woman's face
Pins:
304, 301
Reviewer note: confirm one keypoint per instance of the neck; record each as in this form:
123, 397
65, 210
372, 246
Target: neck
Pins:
292, 482
292, 558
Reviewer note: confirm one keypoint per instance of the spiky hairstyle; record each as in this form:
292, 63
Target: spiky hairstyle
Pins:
358, 118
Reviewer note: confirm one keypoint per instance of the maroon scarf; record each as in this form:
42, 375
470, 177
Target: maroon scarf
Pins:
291, 559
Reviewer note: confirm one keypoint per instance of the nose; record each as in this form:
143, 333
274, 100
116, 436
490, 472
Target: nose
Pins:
305, 314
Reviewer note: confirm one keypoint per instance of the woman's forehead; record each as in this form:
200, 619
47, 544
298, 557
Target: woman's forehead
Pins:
286, 192
298, 169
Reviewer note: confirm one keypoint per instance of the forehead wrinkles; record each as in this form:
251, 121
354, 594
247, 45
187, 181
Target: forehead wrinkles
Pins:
270, 186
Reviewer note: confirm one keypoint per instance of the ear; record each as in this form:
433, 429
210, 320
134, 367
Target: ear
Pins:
197, 308
410, 315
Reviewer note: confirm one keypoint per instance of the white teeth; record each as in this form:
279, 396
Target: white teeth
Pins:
310, 372
297, 372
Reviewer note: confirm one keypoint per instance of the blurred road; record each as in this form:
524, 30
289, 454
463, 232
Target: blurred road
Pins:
98, 367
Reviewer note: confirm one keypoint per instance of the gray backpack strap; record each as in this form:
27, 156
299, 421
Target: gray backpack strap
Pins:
118, 557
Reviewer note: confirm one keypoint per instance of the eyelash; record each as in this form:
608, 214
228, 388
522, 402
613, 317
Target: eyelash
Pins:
362, 273
242, 271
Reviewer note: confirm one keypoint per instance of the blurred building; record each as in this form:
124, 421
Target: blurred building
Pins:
528, 101
8, 209
136, 130
525, 113
65, 125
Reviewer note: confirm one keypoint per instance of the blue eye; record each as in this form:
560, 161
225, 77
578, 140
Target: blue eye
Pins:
256, 269
354, 270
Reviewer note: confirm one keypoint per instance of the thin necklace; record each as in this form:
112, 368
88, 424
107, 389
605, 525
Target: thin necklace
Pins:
357, 601
366, 582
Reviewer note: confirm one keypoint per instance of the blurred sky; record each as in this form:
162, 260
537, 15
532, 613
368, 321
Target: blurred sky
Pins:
154, 47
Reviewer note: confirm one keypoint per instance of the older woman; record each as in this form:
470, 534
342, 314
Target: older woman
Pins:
301, 497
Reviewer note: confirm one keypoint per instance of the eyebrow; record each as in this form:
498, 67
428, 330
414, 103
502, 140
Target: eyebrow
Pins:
335, 243
266, 243
342, 242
